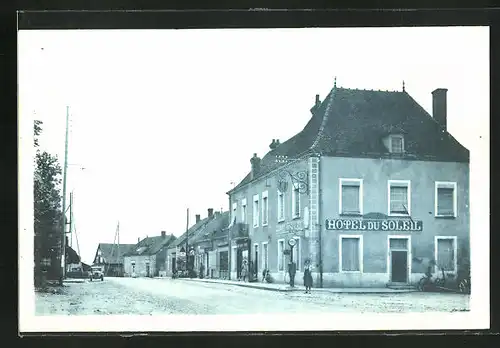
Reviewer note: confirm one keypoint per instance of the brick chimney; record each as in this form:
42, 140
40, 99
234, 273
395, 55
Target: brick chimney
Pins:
198, 218
439, 106
317, 103
210, 212
138, 239
255, 161
163, 234
274, 144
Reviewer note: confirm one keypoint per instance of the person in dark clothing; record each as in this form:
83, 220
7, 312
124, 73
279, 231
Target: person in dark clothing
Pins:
292, 269
307, 276
202, 270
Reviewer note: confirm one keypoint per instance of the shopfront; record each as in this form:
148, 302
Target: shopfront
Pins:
242, 255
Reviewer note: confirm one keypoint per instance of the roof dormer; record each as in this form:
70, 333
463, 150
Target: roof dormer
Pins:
395, 143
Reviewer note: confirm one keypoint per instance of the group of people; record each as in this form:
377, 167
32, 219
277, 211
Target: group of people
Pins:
308, 281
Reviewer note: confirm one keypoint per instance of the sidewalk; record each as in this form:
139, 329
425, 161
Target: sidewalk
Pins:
288, 288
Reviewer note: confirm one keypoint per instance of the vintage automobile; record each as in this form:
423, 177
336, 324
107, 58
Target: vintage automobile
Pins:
96, 272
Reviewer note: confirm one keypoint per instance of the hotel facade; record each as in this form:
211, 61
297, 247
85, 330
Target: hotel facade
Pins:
371, 191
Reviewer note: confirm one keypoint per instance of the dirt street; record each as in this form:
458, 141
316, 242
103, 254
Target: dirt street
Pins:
166, 296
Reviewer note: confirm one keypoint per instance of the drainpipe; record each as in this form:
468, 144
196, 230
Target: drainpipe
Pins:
320, 232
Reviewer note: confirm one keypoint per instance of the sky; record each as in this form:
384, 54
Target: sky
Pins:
165, 120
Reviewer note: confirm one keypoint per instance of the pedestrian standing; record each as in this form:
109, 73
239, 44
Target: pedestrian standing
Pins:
244, 270
307, 276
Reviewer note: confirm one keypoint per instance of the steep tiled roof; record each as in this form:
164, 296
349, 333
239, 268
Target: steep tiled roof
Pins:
353, 122
151, 245
192, 231
110, 252
214, 228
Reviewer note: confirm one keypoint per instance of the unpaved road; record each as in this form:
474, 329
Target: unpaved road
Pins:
166, 296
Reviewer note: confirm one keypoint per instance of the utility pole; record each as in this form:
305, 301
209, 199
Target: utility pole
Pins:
187, 239
71, 219
65, 174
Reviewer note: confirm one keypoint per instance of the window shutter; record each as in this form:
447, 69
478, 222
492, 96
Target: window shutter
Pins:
399, 199
445, 201
446, 257
350, 254
350, 199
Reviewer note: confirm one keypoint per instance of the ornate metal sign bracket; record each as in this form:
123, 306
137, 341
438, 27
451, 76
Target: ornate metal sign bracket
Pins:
298, 179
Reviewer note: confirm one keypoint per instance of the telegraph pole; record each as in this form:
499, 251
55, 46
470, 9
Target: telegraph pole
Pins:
187, 240
65, 173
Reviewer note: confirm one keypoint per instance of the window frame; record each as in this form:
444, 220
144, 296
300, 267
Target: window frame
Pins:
295, 193
360, 201
455, 251
280, 255
398, 136
445, 184
360, 246
265, 208
244, 210
399, 183
255, 212
281, 206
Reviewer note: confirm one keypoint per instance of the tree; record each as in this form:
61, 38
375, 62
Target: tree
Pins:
47, 211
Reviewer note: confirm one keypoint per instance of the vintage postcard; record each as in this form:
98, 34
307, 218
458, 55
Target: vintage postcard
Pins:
254, 179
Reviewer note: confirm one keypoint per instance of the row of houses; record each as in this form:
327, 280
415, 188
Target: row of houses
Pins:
371, 191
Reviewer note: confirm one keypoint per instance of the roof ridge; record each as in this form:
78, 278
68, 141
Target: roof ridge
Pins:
321, 129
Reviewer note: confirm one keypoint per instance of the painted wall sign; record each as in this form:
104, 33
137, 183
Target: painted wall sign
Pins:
293, 227
374, 225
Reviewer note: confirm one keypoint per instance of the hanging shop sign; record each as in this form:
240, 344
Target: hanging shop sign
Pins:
374, 225
242, 243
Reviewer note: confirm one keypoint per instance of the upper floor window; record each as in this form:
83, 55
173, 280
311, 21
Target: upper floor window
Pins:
396, 143
244, 210
351, 196
281, 206
265, 208
445, 199
256, 211
295, 201
399, 197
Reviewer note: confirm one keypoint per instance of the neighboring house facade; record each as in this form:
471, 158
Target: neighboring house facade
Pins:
111, 257
371, 190
185, 253
147, 258
211, 246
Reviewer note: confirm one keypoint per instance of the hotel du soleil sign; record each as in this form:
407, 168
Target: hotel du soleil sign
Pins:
374, 225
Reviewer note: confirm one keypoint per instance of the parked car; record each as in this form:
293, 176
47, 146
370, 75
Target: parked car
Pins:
96, 272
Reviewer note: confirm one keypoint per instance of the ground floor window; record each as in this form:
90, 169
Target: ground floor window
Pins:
445, 250
265, 256
281, 255
350, 252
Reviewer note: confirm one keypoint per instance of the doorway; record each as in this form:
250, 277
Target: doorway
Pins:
239, 260
147, 269
399, 259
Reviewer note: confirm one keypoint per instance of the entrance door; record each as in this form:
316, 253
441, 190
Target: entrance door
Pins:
398, 263
174, 267
239, 260
147, 270
399, 266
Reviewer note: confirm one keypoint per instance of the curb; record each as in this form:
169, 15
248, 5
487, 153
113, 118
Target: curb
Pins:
247, 285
